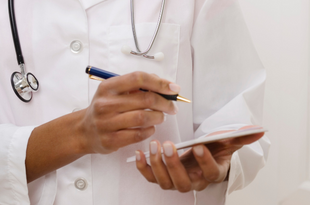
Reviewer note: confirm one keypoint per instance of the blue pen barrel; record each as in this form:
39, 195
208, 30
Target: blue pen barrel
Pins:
99, 72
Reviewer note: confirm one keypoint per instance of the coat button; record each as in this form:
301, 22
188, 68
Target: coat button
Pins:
76, 46
80, 184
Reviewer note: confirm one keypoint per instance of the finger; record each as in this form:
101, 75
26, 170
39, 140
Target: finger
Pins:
225, 152
199, 183
138, 118
139, 80
159, 168
249, 139
210, 169
126, 137
136, 101
175, 168
187, 159
144, 100
144, 168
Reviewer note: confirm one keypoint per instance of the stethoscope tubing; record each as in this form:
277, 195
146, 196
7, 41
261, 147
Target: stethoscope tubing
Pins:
23, 84
18, 50
139, 53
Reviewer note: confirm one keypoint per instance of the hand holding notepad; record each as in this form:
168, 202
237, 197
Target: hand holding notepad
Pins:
213, 138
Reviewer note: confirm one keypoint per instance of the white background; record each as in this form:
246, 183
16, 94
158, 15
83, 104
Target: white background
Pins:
280, 32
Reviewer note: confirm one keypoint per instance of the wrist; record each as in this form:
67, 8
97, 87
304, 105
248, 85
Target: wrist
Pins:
79, 138
54, 145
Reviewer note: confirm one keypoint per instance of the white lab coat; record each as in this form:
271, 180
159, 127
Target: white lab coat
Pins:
208, 52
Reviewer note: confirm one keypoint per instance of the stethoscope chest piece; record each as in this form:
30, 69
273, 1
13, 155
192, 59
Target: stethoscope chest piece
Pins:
24, 85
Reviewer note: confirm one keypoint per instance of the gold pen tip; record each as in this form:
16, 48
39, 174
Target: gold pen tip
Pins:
183, 99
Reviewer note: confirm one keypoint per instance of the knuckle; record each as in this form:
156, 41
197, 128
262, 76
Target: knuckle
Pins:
155, 161
97, 124
103, 105
140, 118
109, 142
153, 74
98, 106
171, 165
106, 143
140, 166
138, 136
152, 180
162, 84
149, 99
184, 188
200, 188
114, 149
138, 77
213, 176
203, 163
147, 132
166, 185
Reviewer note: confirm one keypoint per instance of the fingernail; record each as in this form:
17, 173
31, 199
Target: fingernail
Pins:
165, 118
153, 147
176, 108
138, 156
168, 149
174, 87
198, 150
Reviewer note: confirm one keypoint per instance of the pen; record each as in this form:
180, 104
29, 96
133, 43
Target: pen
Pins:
99, 74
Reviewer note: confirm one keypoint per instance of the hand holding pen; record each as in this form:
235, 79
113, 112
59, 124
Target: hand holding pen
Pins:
99, 74
118, 116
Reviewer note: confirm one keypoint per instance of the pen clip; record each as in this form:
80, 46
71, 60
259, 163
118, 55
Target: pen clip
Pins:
95, 78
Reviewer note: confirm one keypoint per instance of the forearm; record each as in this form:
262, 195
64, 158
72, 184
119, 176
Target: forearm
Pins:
54, 145
105, 126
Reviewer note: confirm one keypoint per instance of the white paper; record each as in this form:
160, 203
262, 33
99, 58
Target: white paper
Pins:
210, 139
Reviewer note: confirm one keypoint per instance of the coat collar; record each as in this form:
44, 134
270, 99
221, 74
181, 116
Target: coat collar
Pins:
89, 3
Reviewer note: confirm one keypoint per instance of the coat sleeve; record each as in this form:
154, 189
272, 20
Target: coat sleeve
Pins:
228, 83
13, 183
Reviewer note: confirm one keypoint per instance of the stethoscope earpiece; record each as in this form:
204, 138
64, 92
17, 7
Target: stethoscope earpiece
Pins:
157, 57
126, 50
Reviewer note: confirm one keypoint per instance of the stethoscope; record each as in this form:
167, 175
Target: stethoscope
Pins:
23, 84
127, 50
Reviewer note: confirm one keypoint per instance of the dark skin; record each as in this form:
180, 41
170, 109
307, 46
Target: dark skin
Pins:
196, 168
105, 126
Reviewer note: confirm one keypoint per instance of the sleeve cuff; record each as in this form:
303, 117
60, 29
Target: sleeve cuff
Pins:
246, 163
13, 172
